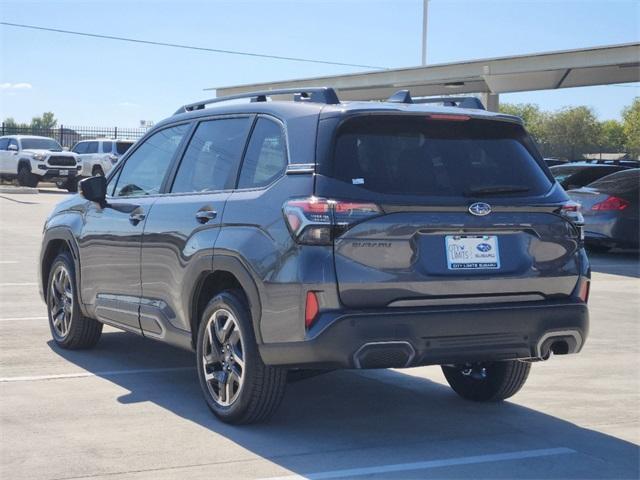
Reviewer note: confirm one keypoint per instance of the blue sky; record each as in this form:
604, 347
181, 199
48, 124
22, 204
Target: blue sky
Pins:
104, 83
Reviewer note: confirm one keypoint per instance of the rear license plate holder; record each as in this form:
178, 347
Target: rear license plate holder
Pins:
472, 252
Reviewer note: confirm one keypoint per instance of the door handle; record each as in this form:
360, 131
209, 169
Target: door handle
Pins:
136, 217
203, 216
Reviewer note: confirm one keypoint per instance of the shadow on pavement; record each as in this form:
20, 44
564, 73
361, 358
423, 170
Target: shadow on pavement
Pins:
351, 410
616, 262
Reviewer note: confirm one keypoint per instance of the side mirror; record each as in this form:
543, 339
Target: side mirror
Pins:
94, 189
12, 148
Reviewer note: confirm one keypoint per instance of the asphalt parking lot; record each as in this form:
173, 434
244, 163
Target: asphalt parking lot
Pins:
131, 408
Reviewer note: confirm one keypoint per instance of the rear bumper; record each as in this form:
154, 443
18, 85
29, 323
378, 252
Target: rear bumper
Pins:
412, 337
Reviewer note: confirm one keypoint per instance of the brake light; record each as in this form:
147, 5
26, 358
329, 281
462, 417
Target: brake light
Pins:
611, 203
311, 309
572, 211
451, 118
317, 221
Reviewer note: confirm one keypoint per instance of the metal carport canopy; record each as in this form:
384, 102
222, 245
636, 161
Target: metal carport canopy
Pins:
540, 71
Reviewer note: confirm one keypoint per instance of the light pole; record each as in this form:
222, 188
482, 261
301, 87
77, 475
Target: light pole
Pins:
425, 11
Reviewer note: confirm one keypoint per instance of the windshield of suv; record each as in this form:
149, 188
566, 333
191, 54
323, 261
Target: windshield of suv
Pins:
122, 147
40, 144
451, 158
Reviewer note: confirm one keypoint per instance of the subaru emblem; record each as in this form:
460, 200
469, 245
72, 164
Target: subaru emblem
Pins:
480, 209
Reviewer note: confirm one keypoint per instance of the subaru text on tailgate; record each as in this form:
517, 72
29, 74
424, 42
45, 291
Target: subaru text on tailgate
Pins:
273, 236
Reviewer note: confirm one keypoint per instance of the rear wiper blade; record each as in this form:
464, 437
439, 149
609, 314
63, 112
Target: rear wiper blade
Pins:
498, 190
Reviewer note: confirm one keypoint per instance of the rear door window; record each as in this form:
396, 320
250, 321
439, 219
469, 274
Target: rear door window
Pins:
415, 155
212, 158
92, 147
107, 147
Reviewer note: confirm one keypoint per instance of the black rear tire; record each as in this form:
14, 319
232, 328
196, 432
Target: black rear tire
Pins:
487, 382
70, 329
229, 356
26, 178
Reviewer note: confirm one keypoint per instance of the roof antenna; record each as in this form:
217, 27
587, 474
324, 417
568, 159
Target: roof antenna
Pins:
401, 96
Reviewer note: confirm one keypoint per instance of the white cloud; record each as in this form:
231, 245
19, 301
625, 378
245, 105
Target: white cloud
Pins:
15, 86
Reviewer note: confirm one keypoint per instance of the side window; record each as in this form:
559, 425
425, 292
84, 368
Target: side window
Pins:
145, 169
92, 147
266, 156
14, 142
4, 143
213, 155
80, 148
107, 147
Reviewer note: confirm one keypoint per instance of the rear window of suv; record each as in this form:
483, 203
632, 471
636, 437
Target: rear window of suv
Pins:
416, 155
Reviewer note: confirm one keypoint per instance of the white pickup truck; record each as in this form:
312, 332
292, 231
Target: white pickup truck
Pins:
31, 159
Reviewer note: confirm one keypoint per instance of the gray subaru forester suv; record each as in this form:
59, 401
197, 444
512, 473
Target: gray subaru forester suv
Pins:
275, 236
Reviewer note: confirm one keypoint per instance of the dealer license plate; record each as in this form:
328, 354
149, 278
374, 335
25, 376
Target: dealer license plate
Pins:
472, 252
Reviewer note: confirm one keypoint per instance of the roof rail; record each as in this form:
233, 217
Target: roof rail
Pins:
325, 95
403, 96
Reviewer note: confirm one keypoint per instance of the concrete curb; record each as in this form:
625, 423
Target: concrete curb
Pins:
11, 189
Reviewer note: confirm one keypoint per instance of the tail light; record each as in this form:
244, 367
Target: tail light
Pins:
311, 309
583, 292
317, 221
611, 203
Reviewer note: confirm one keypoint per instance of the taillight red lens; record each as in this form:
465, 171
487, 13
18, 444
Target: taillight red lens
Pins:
316, 220
583, 293
311, 309
611, 203
451, 118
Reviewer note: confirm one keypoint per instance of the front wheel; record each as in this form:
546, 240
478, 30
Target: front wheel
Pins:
238, 387
488, 381
69, 328
26, 178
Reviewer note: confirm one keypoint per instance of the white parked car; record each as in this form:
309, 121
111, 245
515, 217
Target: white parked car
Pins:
100, 155
31, 159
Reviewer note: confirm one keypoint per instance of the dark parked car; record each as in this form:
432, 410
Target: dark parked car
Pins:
552, 162
314, 234
578, 174
610, 210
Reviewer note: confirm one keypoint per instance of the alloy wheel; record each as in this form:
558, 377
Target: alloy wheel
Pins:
223, 357
61, 301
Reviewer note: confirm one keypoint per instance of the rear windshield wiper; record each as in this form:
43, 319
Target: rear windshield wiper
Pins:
497, 190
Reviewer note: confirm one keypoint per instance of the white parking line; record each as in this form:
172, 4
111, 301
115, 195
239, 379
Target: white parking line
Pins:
18, 284
16, 319
448, 462
111, 373
5, 262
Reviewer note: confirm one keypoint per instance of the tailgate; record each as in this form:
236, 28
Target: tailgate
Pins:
414, 258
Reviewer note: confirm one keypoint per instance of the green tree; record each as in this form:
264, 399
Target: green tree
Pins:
535, 120
46, 121
631, 127
612, 137
572, 132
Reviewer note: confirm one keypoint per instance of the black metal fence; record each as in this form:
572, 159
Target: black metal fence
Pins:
68, 136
